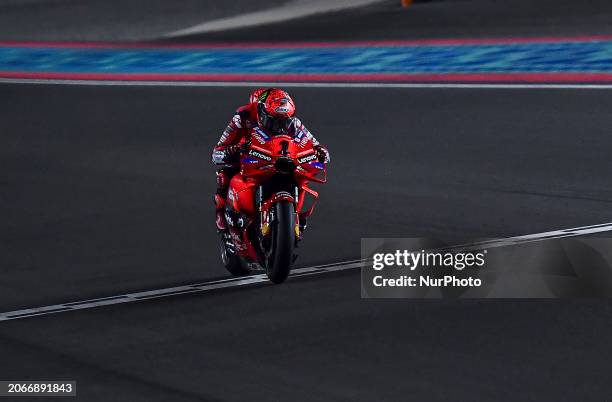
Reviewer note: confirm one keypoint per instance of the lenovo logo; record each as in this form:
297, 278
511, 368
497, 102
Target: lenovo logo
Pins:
259, 155
307, 158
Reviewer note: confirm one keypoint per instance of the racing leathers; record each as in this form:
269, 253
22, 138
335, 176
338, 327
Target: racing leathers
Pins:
227, 151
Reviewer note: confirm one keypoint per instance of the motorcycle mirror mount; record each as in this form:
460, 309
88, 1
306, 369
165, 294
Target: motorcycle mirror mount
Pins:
284, 148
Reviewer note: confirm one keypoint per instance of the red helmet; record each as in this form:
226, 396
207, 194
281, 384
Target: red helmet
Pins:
254, 98
275, 109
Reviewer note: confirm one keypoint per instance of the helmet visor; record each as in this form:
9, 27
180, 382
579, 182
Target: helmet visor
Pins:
271, 123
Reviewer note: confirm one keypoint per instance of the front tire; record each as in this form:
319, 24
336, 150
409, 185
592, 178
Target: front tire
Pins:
283, 240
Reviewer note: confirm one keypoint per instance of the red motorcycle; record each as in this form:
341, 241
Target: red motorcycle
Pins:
265, 208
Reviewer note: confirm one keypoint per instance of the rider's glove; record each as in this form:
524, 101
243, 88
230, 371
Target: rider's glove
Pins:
228, 155
322, 154
236, 149
232, 151
244, 147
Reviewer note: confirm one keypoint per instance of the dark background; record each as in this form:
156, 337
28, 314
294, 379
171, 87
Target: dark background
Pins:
106, 190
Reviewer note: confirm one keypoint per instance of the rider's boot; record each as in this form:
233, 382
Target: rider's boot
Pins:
220, 213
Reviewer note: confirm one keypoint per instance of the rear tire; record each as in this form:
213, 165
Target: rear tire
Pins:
283, 240
231, 261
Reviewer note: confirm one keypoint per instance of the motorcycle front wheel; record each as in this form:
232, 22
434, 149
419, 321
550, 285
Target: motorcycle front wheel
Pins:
280, 255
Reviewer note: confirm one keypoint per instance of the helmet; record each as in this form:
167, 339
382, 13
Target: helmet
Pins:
254, 97
275, 109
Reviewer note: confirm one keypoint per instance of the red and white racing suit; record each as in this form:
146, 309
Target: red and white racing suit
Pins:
227, 151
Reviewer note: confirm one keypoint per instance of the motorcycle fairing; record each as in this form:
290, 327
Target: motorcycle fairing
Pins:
295, 161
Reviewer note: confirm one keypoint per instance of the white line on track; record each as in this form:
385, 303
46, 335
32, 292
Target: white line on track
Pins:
262, 279
389, 85
289, 11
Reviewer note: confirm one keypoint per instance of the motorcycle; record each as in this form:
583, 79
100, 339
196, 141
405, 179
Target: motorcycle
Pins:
265, 208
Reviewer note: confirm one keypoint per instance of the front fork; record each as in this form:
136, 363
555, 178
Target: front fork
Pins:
266, 210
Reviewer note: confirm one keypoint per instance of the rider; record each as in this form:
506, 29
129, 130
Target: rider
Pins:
271, 109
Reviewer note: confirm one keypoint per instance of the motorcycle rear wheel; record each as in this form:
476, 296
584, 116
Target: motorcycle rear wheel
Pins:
280, 259
232, 261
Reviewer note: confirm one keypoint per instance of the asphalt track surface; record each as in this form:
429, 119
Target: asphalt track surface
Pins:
112, 20
108, 189
434, 19
70, 20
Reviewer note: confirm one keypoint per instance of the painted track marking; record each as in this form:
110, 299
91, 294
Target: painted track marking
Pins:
579, 60
262, 279
241, 84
